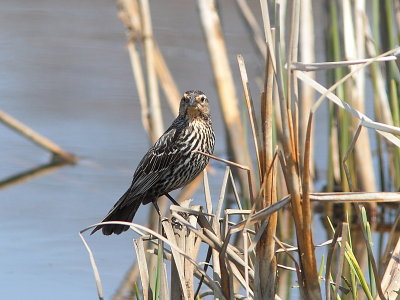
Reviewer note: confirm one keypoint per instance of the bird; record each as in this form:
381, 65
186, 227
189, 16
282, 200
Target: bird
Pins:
171, 163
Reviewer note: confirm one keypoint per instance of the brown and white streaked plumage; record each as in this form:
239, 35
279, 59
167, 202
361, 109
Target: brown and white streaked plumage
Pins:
170, 164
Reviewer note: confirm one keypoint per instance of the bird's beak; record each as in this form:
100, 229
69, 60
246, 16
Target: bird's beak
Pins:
192, 101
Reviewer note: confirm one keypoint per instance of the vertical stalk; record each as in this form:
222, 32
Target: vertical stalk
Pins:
152, 85
265, 261
225, 87
307, 93
394, 101
354, 48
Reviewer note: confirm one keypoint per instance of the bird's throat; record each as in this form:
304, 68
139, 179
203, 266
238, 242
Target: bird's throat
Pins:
194, 114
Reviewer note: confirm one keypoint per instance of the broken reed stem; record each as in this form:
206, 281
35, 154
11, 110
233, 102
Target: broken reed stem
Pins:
58, 153
347, 155
250, 110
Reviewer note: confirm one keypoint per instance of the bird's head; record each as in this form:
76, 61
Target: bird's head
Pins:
194, 104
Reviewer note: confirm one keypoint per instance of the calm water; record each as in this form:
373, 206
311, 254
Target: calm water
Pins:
65, 72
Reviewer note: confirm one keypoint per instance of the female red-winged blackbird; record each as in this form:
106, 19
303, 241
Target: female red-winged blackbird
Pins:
170, 163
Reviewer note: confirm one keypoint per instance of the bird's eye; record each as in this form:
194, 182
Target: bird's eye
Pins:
203, 99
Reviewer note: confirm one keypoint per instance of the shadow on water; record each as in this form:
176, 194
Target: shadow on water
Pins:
31, 173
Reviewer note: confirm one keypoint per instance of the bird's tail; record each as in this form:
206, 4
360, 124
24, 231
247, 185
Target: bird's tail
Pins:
120, 212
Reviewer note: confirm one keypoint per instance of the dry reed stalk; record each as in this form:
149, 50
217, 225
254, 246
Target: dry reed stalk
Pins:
265, 250
334, 156
385, 130
307, 218
309, 67
140, 85
347, 156
166, 80
218, 261
239, 166
291, 80
192, 248
354, 46
220, 267
250, 109
356, 197
58, 153
156, 125
143, 269
287, 160
225, 87
381, 104
265, 262
391, 277
130, 16
179, 290
164, 283
133, 272
297, 267
363, 121
229, 260
252, 24
300, 211
307, 55
209, 237
96, 273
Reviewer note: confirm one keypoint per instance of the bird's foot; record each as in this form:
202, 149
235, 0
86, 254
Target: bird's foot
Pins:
176, 224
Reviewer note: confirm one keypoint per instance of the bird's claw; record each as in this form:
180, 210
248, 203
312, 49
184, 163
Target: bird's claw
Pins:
176, 224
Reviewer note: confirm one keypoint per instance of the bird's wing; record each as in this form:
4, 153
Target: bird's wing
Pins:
157, 160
